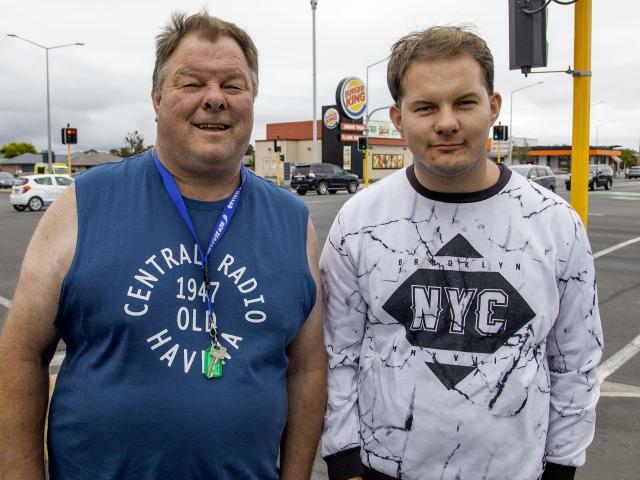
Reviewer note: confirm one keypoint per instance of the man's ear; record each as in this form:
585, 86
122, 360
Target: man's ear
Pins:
496, 104
156, 96
396, 118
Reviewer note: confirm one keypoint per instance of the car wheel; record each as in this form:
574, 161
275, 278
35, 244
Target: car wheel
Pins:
35, 204
20, 208
607, 186
333, 191
352, 187
592, 186
301, 191
322, 188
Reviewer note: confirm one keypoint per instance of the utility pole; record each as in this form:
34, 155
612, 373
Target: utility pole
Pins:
581, 109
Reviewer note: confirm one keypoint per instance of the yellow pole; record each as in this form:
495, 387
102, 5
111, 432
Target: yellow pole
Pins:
278, 169
581, 113
366, 165
69, 158
499, 142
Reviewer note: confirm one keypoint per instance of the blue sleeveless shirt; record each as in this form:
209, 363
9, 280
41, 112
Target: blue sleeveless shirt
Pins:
130, 400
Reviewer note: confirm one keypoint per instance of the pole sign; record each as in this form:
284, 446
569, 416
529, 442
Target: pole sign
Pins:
331, 118
351, 96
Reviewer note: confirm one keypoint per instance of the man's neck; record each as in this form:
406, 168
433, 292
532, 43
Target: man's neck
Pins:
483, 176
214, 184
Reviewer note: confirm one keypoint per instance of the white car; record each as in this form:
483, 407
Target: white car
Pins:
36, 191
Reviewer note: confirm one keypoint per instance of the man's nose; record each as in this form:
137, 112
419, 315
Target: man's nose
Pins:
214, 99
446, 121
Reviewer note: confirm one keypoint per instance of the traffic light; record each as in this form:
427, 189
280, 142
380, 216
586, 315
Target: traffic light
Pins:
362, 143
500, 132
527, 34
70, 135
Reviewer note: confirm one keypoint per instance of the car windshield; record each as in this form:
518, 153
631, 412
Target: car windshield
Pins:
521, 169
21, 181
593, 169
5, 175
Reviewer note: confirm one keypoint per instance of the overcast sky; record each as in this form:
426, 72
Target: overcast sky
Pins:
103, 88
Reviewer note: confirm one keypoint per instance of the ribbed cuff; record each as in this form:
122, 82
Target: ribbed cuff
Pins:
344, 464
554, 471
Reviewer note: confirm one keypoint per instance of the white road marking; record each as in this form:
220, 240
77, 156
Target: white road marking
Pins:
5, 302
615, 247
596, 214
618, 359
610, 389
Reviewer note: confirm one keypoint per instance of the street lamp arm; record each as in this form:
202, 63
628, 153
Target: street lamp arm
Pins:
26, 40
65, 45
375, 110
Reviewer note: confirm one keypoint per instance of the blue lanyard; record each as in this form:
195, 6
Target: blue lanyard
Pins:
223, 221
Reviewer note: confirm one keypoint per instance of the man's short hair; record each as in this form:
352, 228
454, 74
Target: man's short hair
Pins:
205, 27
436, 43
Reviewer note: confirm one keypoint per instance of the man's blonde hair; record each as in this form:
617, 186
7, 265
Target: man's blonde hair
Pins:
436, 43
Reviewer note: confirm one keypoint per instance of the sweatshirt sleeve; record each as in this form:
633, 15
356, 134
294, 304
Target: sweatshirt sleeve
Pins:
344, 326
574, 349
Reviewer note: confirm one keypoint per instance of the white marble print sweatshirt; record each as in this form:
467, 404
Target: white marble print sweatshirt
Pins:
462, 331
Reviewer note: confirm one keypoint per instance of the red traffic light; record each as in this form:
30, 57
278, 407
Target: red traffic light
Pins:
70, 135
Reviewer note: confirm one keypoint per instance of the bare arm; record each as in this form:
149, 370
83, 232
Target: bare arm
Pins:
307, 384
28, 341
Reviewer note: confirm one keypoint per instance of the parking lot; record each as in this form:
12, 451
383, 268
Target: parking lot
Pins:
614, 232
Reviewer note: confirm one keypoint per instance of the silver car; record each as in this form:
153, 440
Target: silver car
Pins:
540, 174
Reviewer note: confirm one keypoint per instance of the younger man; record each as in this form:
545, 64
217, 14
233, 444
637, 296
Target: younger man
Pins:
462, 326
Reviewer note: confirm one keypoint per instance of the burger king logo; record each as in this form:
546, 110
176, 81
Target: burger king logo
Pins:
352, 97
331, 118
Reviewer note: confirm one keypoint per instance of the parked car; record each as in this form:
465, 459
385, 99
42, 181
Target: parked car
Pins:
599, 176
323, 178
6, 180
540, 174
633, 172
36, 191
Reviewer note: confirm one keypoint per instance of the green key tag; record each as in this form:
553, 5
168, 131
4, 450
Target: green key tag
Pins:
213, 361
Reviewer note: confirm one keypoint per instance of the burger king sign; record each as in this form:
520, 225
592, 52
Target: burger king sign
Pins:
351, 95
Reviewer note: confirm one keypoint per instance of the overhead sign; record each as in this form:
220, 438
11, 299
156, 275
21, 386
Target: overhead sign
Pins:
351, 95
349, 137
331, 118
352, 127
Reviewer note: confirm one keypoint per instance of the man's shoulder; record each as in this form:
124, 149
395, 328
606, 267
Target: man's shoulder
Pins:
125, 167
393, 189
278, 195
537, 202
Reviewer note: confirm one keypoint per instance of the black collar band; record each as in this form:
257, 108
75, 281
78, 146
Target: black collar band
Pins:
465, 197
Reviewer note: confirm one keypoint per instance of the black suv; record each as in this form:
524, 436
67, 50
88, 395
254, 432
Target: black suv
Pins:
599, 176
323, 178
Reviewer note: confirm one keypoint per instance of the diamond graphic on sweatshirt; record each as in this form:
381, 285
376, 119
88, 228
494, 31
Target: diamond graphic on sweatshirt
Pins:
459, 311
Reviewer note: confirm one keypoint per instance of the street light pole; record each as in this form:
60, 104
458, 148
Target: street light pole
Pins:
46, 49
366, 150
511, 118
598, 129
314, 146
366, 121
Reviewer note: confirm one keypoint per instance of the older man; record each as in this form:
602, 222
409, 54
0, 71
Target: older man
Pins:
462, 317
192, 350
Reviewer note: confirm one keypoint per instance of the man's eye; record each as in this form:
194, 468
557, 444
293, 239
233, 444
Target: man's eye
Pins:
467, 103
426, 109
190, 85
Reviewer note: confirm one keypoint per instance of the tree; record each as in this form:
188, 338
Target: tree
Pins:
251, 151
15, 149
628, 158
522, 154
133, 145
